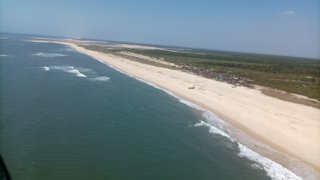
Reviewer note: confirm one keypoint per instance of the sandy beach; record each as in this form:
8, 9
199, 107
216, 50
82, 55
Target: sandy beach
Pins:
288, 127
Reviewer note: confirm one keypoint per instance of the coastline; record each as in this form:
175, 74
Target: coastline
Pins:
288, 127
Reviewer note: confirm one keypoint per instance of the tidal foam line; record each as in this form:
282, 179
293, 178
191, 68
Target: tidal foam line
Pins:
48, 55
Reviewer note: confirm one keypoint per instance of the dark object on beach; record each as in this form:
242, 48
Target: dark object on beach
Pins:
192, 87
4, 174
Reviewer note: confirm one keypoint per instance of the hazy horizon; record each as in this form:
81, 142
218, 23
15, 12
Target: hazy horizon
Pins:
287, 28
158, 45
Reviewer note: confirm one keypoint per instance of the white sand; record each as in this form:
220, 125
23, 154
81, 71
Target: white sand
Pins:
148, 58
288, 127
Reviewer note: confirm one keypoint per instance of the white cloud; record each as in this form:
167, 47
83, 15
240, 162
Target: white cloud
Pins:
290, 12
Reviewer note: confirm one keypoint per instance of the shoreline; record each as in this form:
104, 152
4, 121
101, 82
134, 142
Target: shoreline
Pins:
239, 106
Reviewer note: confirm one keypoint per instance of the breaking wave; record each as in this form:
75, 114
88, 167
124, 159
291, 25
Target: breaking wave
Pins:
273, 169
213, 129
67, 69
3, 55
79, 72
49, 55
46, 68
76, 72
100, 78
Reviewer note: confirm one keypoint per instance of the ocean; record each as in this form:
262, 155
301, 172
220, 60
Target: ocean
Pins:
65, 115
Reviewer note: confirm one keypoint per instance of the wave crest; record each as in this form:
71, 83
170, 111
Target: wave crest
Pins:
215, 125
100, 78
48, 55
79, 72
273, 169
46, 68
67, 69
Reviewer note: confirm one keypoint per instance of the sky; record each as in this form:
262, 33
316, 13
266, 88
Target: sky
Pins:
282, 27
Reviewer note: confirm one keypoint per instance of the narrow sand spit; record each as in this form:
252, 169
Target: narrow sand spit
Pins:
288, 127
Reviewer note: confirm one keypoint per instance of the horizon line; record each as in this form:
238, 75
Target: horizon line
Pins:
169, 46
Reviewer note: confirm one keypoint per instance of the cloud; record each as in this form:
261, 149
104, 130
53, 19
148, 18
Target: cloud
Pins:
290, 12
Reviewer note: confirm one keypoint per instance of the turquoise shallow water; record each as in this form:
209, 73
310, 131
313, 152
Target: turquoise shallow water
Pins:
67, 116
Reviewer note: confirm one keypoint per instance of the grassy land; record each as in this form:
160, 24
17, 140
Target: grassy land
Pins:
294, 75
290, 74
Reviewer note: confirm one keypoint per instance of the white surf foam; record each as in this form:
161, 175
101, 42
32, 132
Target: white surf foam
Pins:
100, 78
3, 55
274, 170
48, 55
46, 68
77, 72
190, 104
213, 129
68, 69
215, 125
